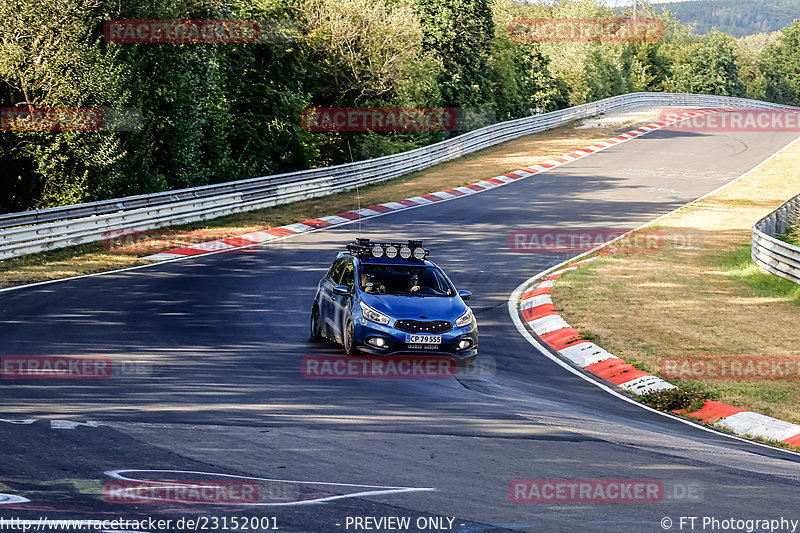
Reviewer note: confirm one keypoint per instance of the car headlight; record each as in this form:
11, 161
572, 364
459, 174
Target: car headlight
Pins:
464, 319
372, 315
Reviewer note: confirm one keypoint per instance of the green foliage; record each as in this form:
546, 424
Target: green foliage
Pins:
52, 57
368, 48
781, 61
708, 66
459, 34
519, 72
752, 63
218, 112
674, 400
377, 145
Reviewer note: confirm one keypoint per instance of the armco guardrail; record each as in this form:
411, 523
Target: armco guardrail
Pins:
34, 231
771, 253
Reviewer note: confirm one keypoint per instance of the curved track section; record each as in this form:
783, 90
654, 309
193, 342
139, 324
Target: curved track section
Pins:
224, 335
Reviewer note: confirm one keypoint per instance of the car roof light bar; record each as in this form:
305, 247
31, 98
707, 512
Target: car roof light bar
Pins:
410, 251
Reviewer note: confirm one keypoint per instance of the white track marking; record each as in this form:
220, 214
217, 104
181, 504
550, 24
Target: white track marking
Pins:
259, 237
163, 256
298, 227
23, 422
69, 424
548, 324
647, 384
380, 490
211, 246
7, 499
420, 200
536, 301
446, 195
750, 423
585, 353
393, 205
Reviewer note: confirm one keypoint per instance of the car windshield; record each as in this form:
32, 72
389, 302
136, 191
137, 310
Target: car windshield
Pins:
404, 280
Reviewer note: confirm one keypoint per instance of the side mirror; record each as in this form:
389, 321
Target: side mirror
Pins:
465, 295
341, 290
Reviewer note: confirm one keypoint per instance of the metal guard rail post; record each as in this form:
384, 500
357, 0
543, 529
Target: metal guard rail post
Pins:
769, 252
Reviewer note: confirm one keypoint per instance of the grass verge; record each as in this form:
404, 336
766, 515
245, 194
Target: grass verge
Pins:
512, 155
704, 300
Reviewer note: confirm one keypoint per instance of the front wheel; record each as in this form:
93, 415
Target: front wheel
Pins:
316, 327
349, 336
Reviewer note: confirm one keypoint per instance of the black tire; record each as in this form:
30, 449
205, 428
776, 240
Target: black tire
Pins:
316, 327
349, 334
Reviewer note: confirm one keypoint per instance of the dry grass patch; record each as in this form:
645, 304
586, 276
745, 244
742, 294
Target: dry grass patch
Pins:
707, 301
500, 159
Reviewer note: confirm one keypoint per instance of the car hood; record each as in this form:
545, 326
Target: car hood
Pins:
433, 307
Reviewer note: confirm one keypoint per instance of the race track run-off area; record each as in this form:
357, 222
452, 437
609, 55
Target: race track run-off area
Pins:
220, 398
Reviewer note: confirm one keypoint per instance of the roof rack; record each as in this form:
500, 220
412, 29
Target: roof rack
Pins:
411, 251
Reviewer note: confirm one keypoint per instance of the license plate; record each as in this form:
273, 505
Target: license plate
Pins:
423, 339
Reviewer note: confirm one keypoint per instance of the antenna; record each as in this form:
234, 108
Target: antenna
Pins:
358, 191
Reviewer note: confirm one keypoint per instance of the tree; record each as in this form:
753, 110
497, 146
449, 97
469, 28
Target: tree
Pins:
521, 81
368, 48
459, 33
708, 66
752, 68
782, 66
51, 56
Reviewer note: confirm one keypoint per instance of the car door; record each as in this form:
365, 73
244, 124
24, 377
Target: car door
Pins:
340, 302
326, 300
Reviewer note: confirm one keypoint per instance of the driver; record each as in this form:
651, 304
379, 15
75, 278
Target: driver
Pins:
414, 281
366, 283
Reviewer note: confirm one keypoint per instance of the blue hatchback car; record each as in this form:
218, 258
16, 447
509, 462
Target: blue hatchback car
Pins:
387, 298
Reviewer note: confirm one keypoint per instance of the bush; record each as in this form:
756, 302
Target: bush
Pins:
674, 400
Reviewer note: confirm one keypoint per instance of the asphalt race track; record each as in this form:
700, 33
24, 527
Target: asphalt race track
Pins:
222, 336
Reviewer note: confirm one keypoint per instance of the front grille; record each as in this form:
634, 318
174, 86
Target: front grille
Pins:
418, 326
